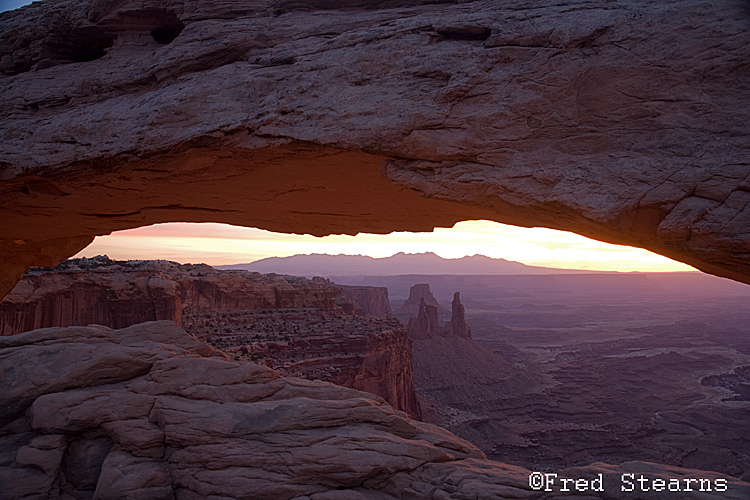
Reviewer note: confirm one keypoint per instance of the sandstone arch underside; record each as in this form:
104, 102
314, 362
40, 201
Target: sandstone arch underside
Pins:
627, 122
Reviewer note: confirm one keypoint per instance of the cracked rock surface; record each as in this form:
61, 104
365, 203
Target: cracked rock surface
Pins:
627, 121
149, 412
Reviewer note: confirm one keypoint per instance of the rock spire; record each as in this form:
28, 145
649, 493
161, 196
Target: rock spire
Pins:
425, 324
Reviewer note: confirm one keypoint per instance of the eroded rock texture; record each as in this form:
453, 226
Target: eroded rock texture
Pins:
297, 326
625, 121
117, 294
149, 412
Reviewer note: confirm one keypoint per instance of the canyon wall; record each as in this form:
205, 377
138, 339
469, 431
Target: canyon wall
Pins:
363, 353
372, 301
115, 300
298, 326
378, 362
120, 294
625, 121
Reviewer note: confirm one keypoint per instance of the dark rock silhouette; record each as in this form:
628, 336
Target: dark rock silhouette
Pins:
418, 293
425, 324
457, 325
412, 305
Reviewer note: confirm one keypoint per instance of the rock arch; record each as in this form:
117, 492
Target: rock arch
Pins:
627, 123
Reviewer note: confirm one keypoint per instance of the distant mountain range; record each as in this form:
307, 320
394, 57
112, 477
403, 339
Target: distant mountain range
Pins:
399, 264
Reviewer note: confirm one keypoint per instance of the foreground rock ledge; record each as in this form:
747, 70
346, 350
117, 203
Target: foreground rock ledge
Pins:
624, 121
148, 412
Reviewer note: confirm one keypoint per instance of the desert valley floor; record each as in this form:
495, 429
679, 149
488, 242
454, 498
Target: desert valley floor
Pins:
651, 367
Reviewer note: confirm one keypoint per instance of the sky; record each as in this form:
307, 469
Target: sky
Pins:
12, 4
218, 244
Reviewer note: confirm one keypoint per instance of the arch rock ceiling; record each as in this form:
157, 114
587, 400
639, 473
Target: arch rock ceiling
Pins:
623, 121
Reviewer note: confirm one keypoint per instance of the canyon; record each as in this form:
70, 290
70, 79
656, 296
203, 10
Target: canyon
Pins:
300, 327
150, 412
562, 370
626, 122
511, 385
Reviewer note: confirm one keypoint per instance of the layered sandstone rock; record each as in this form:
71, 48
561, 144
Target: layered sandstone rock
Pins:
149, 412
353, 351
621, 121
114, 299
122, 293
295, 325
371, 301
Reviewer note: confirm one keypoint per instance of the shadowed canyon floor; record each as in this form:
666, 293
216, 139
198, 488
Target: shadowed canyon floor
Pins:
563, 370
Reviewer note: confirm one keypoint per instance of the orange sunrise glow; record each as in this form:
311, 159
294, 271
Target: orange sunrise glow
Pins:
218, 244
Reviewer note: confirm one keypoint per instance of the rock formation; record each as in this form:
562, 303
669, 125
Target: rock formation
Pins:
457, 325
352, 351
295, 325
371, 301
425, 324
115, 300
149, 412
624, 121
456, 378
123, 293
418, 293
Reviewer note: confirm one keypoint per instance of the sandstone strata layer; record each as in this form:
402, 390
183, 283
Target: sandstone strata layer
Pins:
371, 301
149, 412
122, 293
353, 351
624, 121
306, 328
